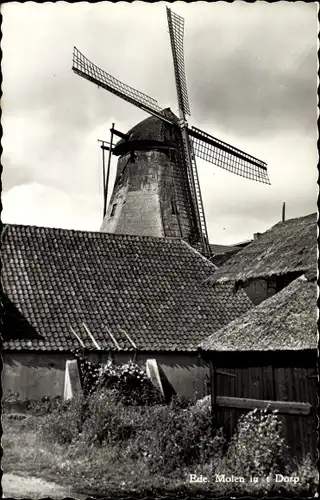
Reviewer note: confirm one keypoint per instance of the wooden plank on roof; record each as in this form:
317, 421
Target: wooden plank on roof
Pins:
77, 336
283, 407
95, 343
113, 339
129, 338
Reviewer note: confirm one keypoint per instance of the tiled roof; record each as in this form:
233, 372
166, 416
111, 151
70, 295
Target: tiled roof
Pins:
151, 288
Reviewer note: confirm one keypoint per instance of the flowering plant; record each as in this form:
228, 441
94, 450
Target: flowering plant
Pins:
129, 380
257, 445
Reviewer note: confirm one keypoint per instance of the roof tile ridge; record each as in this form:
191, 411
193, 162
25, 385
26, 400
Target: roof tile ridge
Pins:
195, 251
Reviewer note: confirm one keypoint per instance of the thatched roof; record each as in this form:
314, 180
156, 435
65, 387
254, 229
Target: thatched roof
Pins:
287, 247
222, 253
222, 249
286, 321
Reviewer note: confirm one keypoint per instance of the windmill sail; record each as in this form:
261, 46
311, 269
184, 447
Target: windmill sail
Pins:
85, 68
189, 143
200, 238
176, 31
223, 155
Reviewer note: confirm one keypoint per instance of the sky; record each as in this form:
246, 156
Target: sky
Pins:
252, 80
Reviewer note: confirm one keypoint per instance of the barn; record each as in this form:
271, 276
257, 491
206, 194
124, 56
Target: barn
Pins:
269, 354
273, 259
112, 290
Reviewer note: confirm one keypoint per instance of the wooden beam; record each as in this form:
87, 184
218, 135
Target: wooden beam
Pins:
113, 339
129, 338
212, 397
227, 374
95, 343
283, 407
215, 406
123, 136
283, 211
77, 336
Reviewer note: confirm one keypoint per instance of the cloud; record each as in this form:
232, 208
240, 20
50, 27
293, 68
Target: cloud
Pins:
35, 204
261, 78
251, 73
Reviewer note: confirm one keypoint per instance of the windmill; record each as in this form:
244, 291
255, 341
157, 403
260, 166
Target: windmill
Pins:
189, 142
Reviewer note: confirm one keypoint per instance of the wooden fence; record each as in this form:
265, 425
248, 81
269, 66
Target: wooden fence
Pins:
290, 389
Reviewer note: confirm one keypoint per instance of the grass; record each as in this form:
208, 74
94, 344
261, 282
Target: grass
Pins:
94, 470
119, 464
122, 440
24, 453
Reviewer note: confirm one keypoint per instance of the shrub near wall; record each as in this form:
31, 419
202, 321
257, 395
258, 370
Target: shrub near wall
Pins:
109, 421
173, 436
257, 447
110, 446
129, 381
164, 444
102, 415
119, 432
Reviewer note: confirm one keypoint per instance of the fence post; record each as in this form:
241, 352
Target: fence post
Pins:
213, 378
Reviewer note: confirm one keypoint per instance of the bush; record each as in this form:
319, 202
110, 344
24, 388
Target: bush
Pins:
106, 443
10, 398
308, 476
166, 437
16, 416
129, 380
130, 383
257, 447
108, 420
36, 407
100, 418
179, 402
171, 438
64, 423
45, 405
89, 373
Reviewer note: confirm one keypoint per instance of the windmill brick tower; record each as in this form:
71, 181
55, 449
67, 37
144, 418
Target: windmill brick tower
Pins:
151, 194
157, 190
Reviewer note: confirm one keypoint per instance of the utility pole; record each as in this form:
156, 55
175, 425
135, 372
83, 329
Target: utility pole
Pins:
105, 145
283, 211
108, 171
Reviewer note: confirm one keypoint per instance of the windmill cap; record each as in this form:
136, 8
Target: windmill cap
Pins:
151, 133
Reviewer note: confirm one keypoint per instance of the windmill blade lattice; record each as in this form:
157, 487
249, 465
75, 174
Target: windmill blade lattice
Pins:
193, 142
193, 178
208, 148
85, 68
176, 31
